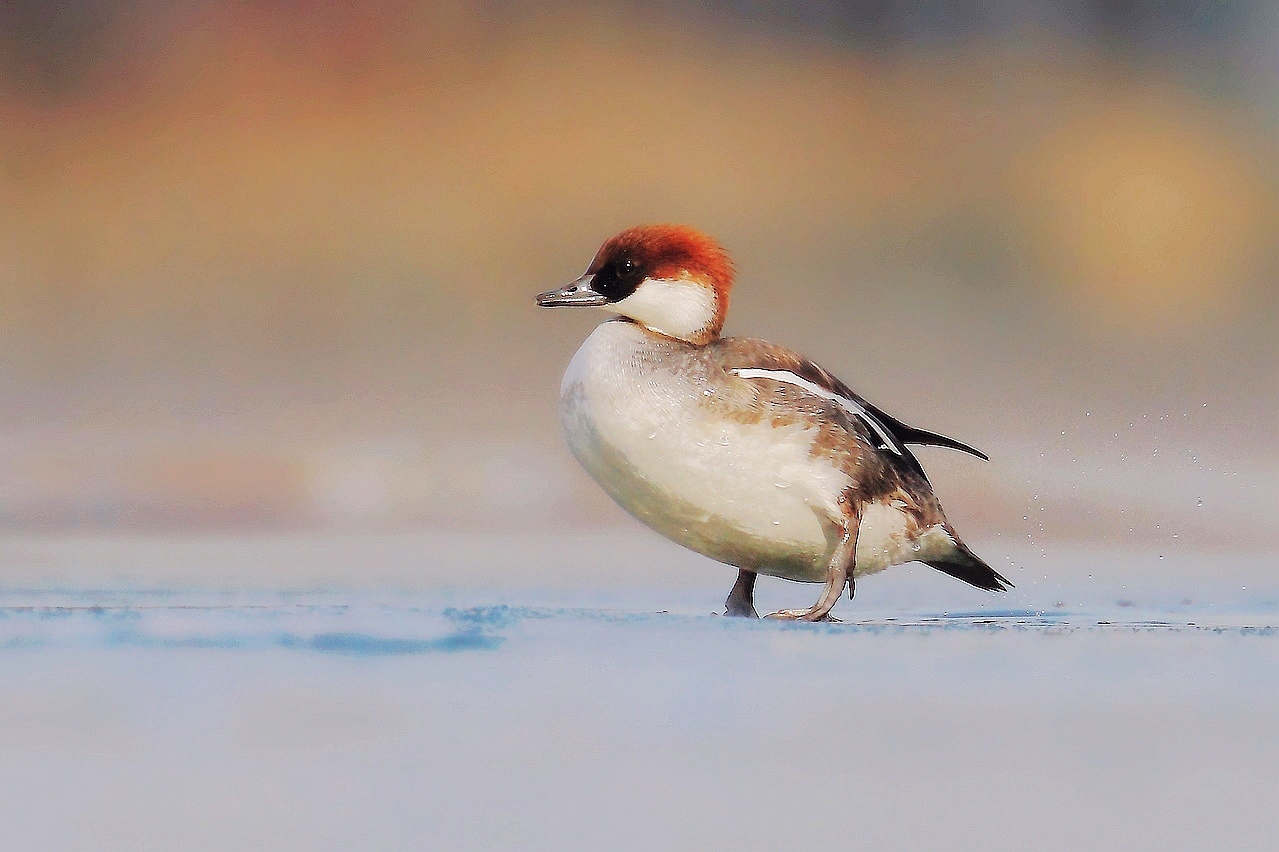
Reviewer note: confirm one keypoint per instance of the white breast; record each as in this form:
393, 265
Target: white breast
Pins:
750, 494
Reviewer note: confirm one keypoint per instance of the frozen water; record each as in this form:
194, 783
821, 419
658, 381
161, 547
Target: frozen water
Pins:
1136, 710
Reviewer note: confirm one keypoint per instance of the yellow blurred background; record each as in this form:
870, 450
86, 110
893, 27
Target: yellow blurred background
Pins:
270, 265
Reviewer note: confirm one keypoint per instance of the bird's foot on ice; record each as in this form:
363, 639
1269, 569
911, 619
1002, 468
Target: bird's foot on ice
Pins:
801, 615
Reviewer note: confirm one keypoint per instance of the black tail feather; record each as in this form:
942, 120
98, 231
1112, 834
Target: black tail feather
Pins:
911, 435
964, 565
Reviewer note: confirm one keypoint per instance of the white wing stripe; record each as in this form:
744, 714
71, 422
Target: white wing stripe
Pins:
787, 377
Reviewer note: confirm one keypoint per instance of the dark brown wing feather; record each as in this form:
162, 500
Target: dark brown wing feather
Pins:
741, 352
870, 424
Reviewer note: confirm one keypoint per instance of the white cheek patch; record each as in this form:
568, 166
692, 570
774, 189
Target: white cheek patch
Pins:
677, 307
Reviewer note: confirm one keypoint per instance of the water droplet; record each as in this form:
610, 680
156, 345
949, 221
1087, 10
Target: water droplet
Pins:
780, 484
1161, 556
777, 523
1199, 502
652, 435
723, 440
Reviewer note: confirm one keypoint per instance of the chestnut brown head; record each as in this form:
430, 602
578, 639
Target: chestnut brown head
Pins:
672, 279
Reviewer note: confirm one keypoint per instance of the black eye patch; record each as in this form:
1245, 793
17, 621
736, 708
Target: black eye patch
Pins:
617, 279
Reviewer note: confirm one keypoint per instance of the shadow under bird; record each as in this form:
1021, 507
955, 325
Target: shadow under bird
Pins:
738, 448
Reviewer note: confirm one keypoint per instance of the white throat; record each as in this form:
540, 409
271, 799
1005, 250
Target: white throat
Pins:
677, 307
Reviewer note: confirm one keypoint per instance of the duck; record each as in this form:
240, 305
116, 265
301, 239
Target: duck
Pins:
738, 448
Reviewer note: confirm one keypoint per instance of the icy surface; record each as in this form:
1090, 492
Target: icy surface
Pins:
1137, 709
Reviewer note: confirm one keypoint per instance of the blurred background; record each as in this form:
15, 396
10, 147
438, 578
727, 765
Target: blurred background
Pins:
268, 267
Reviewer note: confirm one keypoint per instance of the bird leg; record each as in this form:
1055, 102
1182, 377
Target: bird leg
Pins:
838, 574
741, 600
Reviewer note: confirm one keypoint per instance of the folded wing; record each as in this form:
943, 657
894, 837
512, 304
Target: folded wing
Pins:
758, 359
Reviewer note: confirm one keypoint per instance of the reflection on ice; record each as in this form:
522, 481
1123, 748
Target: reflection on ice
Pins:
396, 720
422, 625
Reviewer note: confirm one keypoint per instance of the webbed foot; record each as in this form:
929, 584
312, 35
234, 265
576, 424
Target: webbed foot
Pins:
803, 615
839, 575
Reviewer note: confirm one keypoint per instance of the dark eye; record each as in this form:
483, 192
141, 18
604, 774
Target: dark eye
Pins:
617, 279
